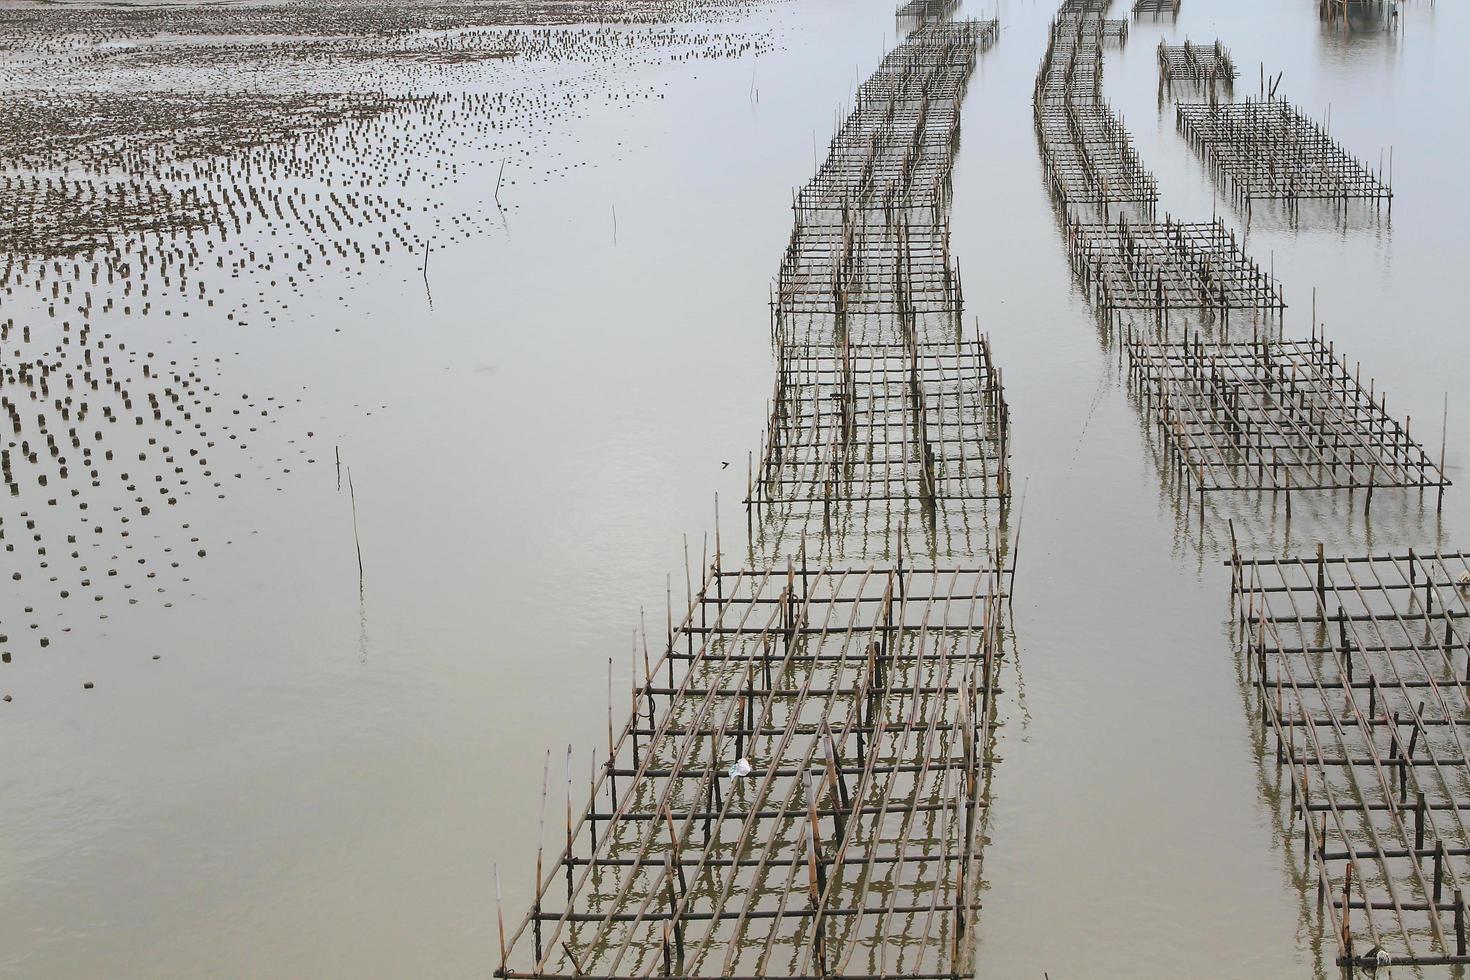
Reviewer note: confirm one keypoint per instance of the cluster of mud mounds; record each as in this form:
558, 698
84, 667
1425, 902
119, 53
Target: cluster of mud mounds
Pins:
173, 172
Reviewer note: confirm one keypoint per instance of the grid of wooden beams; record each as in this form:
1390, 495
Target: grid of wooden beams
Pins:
868, 258
1361, 667
896, 148
1201, 67
924, 11
887, 427
1087, 154
861, 700
854, 266
869, 440
1269, 149
1156, 7
1166, 266
1274, 415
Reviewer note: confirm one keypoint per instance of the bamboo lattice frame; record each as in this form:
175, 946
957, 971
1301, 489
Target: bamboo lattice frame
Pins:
1269, 149
885, 423
1164, 266
880, 438
1202, 67
863, 700
1361, 668
1086, 152
861, 697
1274, 415
924, 11
896, 148
859, 266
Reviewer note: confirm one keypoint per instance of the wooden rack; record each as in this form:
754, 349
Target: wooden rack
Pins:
1360, 667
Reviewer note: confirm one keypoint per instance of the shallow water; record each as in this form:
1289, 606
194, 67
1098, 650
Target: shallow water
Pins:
314, 779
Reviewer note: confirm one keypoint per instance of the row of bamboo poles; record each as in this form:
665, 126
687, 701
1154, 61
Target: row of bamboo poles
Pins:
1086, 153
801, 784
881, 411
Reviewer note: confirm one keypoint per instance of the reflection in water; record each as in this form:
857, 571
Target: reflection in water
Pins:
1347, 21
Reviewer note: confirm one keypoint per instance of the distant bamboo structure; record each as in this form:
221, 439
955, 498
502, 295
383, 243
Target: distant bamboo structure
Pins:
1086, 152
1268, 149
885, 419
1208, 69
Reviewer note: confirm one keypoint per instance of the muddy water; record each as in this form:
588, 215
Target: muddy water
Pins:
316, 777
